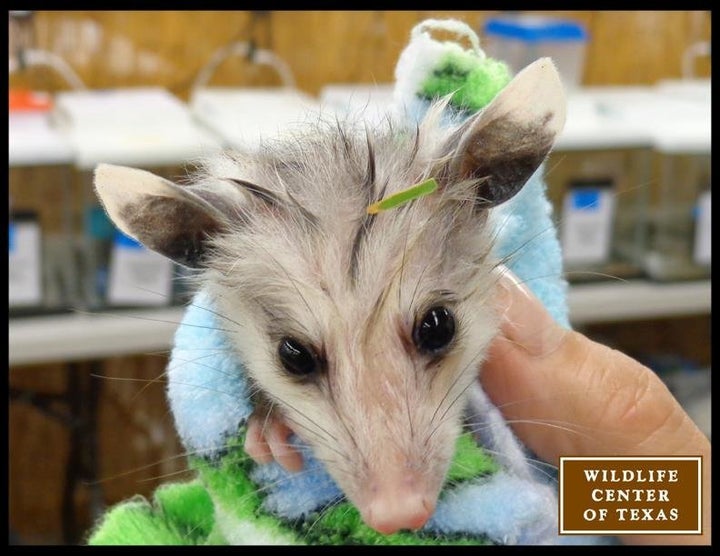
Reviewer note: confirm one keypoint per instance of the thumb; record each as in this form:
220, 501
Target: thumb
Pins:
565, 394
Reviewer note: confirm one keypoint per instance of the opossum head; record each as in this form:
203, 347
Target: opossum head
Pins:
364, 331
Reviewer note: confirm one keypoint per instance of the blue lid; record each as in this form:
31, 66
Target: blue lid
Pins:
121, 240
97, 224
535, 29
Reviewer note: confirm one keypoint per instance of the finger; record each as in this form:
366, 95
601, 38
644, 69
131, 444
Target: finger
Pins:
524, 319
565, 394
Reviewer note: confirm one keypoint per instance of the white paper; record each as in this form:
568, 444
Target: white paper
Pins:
138, 276
702, 249
586, 230
24, 271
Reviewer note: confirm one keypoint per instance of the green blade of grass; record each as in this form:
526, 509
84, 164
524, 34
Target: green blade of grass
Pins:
418, 190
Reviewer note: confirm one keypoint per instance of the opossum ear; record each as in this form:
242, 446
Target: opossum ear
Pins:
174, 221
503, 145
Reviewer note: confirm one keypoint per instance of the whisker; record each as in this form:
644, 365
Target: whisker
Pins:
557, 394
404, 257
319, 439
343, 421
291, 280
146, 318
450, 405
217, 314
536, 464
560, 425
165, 475
182, 455
473, 360
595, 273
323, 512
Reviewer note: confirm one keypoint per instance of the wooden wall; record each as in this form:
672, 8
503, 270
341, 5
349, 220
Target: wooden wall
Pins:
109, 49
113, 49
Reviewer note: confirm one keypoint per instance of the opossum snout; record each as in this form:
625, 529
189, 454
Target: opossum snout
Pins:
398, 504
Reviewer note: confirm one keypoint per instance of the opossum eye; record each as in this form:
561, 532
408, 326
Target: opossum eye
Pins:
435, 331
296, 358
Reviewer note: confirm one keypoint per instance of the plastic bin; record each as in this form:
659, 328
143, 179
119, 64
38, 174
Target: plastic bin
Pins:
679, 237
42, 200
600, 210
519, 40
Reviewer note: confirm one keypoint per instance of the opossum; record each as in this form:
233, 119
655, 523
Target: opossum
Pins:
363, 333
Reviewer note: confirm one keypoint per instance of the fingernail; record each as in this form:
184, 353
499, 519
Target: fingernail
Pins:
525, 320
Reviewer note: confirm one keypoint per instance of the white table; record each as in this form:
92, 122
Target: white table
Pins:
670, 117
371, 101
688, 130
597, 118
144, 126
71, 337
33, 141
242, 117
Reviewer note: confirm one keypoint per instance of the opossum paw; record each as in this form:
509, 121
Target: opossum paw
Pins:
267, 439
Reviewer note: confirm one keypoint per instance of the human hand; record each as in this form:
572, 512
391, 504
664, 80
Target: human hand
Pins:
565, 394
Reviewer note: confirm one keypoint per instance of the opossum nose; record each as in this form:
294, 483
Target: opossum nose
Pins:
393, 511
